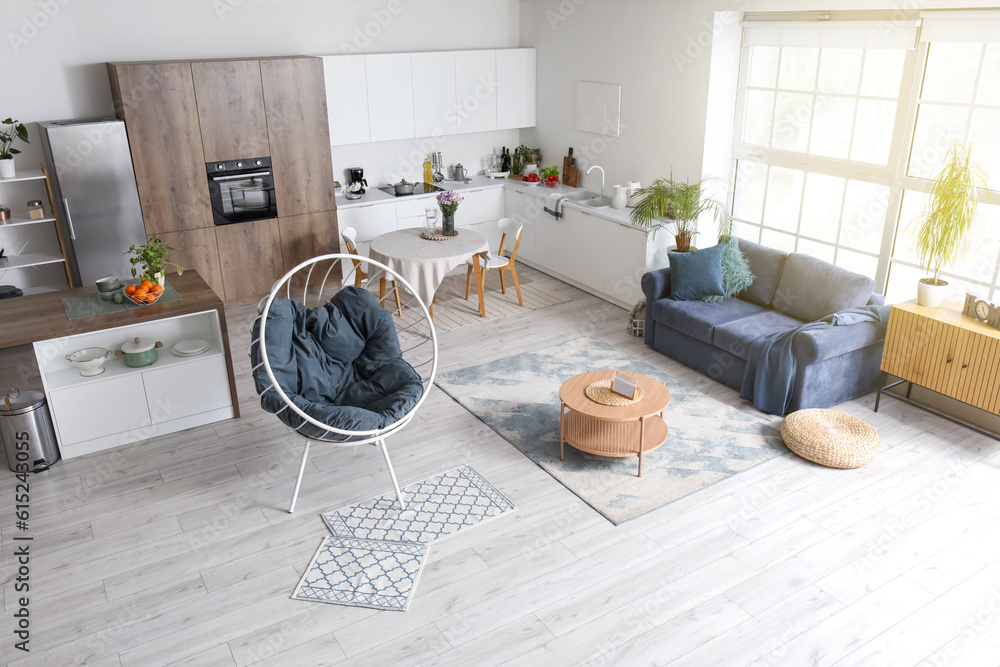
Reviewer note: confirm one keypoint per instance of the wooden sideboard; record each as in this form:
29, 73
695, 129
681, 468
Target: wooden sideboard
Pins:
944, 351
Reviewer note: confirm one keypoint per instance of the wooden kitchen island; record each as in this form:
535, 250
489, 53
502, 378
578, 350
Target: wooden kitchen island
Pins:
124, 405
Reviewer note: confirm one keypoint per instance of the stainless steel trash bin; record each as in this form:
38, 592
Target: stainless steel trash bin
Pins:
26, 432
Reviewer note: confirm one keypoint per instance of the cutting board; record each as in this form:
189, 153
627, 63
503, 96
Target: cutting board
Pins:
571, 175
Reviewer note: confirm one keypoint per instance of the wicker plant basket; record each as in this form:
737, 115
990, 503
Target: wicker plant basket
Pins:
637, 319
830, 438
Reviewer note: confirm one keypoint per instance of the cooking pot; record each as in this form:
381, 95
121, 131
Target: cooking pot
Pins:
403, 188
138, 353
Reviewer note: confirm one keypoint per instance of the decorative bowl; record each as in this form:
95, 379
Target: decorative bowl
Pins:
90, 360
109, 284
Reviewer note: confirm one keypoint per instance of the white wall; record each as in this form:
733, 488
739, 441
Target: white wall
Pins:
54, 51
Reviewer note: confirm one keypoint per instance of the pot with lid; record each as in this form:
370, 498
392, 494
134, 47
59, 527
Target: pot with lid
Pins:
138, 352
403, 188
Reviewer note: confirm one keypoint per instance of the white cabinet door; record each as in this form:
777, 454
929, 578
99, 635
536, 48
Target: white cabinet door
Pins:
390, 96
369, 221
98, 409
624, 262
550, 243
476, 91
182, 390
346, 99
480, 206
434, 93
584, 238
515, 88
523, 208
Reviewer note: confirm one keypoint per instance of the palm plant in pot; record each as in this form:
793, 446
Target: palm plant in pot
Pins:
11, 130
943, 226
152, 258
678, 203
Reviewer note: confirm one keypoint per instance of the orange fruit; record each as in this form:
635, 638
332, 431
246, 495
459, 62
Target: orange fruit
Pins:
156, 289
142, 291
130, 290
147, 284
150, 298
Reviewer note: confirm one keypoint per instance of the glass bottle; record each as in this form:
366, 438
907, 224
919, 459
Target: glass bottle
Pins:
428, 173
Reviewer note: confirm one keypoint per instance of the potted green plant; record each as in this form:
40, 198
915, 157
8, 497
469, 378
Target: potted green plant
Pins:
526, 159
678, 203
943, 225
11, 130
152, 257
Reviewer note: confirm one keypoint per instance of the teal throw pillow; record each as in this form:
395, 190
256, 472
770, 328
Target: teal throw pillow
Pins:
695, 275
736, 273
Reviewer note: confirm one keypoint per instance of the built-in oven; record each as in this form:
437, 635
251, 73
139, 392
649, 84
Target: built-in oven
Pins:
241, 190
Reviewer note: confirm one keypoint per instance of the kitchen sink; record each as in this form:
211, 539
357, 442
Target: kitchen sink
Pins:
582, 195
597, 202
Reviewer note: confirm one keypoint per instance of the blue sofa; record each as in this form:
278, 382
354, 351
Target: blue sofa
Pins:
834, 364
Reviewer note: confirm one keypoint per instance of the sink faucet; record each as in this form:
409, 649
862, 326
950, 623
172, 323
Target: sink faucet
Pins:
602, 176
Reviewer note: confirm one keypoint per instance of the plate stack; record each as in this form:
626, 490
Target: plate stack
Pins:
190, 348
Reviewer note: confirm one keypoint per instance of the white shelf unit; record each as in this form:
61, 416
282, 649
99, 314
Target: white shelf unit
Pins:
126, 405
37, 242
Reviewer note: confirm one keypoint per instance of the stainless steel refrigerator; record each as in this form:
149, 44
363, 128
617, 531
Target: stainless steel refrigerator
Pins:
90, 166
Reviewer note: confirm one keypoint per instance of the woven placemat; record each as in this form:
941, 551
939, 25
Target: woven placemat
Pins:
438, 236
600, 392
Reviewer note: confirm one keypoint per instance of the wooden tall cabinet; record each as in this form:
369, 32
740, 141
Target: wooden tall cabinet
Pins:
180, 115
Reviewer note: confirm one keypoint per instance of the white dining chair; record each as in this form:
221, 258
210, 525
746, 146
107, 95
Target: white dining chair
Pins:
510, 228
350, 236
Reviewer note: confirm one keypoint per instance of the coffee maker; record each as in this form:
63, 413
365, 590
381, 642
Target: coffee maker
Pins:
356, 184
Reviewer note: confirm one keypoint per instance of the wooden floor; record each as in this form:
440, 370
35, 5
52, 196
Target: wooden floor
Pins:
179, 550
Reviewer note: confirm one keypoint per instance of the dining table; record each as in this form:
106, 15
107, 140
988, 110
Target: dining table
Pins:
423, 262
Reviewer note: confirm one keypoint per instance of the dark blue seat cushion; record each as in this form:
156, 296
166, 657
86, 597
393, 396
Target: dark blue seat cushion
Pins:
340, 363
699, 319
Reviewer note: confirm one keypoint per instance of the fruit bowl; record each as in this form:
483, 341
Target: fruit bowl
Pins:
145, 298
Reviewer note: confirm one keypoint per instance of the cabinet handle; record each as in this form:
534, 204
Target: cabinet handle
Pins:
69, 219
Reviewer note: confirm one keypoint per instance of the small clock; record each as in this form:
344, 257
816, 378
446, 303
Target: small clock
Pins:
982, 310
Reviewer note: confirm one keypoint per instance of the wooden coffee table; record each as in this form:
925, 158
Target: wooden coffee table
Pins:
608, 430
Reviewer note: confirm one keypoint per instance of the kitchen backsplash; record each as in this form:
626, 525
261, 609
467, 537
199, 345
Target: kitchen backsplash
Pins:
387, 162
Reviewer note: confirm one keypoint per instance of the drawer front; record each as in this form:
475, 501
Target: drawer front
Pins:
100, 409
410, 207
480, 206
188, 389
369, 221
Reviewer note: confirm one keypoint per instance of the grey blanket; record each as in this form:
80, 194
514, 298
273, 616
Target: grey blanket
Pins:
769, 378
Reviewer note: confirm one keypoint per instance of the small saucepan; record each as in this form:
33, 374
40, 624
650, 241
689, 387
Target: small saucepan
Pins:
403, 188
138, 353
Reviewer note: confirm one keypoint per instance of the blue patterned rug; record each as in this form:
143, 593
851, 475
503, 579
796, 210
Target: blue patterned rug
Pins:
708, 441
377, 551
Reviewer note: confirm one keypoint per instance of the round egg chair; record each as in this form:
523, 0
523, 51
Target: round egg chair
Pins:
333, 364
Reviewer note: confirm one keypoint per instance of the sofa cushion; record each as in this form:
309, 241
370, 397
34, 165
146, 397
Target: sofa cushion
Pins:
697, 274
810, 288
698, 319
765, 264
735, 337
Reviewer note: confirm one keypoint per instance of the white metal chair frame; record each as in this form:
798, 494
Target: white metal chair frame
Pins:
416, 348
509, 227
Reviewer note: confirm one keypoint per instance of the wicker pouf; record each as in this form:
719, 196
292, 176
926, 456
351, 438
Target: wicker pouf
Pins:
830, 437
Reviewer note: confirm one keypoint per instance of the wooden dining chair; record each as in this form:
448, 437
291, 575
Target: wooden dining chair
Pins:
510, 228
350, 236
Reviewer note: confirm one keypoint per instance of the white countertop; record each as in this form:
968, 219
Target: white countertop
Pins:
375, 196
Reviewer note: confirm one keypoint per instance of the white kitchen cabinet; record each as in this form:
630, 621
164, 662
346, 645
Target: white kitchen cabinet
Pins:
584, 242
525, 209
346, 99
434, 93
551, 238
480, 206
369, 220
476, 91
624, 262
515, 88
390, 96
126, 405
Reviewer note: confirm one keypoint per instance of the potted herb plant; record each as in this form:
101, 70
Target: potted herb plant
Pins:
11, 130
526, 159
152, 257
947, 219
680, 204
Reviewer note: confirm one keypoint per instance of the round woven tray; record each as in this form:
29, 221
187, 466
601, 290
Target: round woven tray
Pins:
438, 236
830, 437
600, 392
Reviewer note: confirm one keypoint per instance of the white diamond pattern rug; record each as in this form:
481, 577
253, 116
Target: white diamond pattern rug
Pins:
377, 551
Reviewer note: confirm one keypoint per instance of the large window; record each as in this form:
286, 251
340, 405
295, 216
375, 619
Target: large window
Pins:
839, 125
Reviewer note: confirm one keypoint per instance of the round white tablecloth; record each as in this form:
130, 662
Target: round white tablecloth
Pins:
424, 263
